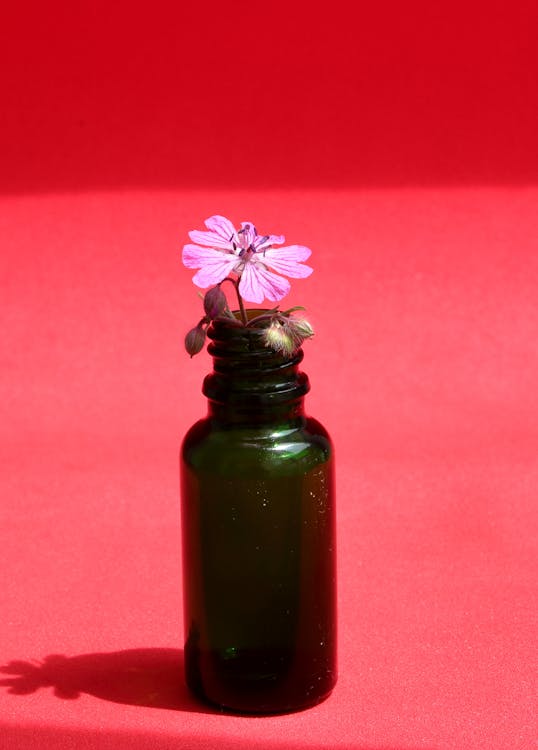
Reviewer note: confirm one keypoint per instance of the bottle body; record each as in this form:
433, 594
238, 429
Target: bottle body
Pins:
258, 523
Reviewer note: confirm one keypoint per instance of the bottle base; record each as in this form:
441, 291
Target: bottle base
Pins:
260, 681
250, 709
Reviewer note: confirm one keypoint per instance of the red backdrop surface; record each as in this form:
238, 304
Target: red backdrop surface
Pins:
398, 142
251, 94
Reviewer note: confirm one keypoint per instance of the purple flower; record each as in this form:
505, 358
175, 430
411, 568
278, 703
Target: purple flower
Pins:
253, 257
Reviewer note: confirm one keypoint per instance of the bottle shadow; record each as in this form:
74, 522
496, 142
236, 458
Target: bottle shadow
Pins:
151, 677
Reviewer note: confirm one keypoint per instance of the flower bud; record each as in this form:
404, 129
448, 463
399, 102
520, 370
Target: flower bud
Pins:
279, 338
301, 329
214, 302
195, 340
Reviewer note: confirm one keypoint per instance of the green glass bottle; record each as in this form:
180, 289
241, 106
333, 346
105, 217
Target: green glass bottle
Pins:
258, 523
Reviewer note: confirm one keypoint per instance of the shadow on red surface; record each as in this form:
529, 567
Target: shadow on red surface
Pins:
100, 95
139, 677
151, 677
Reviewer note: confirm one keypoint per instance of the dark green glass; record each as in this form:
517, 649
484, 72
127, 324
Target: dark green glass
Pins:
258, 534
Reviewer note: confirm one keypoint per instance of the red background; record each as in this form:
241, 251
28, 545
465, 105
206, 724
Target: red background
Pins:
398, 141
251, 94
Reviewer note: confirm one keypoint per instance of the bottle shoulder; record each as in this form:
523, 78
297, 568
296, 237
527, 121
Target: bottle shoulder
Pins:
275, 447
305, 430
197, 433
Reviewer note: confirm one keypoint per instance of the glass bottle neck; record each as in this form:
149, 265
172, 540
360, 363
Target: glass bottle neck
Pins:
250, 383
289, 415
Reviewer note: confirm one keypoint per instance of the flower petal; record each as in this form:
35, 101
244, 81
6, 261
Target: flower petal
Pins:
264, 242
257, 284
194, 256
213, 273
297, 253
210, 239
222, 226
277, 239
287, 260
249, 287
214, 265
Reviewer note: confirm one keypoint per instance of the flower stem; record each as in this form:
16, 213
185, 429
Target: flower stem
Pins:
239, 299
241, 305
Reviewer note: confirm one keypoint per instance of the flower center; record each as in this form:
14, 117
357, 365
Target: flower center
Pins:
246, 237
